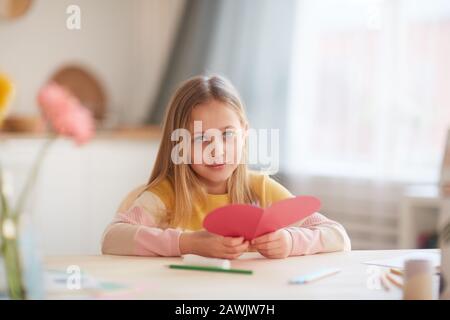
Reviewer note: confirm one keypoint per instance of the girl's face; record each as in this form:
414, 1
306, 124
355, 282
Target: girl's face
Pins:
217, 132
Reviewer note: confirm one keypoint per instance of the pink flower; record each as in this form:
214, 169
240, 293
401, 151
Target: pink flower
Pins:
66, 115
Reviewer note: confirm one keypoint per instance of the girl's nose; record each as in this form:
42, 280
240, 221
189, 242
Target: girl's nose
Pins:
218, 148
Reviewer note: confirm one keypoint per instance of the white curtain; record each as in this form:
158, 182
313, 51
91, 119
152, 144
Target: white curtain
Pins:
247, 41
369, 104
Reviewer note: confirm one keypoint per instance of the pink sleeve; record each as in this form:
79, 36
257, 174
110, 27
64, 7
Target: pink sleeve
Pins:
141, 230
318, 234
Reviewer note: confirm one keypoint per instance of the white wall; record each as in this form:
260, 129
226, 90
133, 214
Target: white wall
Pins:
78, 189
124, 42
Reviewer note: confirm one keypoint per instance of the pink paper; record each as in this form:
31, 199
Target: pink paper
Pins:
249, 221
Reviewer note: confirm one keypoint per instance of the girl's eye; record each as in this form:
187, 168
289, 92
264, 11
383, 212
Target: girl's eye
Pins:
228, 134
200, 139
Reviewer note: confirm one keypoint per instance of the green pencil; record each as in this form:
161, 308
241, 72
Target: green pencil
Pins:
212, 269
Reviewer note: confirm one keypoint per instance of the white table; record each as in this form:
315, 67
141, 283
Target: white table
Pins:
152, 279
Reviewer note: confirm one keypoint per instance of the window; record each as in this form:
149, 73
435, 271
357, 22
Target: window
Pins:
370, 89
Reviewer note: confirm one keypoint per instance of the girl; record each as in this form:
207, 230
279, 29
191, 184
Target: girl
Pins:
165, 218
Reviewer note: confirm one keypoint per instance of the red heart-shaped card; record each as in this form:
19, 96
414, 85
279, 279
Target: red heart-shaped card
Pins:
249, 221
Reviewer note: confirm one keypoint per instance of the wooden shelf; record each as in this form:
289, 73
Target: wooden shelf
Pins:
132, 133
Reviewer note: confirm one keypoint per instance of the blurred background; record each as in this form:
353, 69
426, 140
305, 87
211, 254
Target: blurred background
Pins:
357, 88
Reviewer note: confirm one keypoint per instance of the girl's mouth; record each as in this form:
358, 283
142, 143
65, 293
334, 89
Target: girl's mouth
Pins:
216, 166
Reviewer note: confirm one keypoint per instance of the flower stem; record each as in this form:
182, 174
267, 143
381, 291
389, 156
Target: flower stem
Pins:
33, 175
10, 244
13, 269
3, 201
9, 250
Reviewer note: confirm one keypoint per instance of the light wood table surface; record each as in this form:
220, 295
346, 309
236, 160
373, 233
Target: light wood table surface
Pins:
150, 277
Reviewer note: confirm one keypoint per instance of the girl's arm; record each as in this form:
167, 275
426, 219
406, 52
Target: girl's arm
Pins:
317, 234
312, 235
140, 230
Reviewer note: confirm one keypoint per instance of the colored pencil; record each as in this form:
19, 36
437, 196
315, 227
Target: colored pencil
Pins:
212, 269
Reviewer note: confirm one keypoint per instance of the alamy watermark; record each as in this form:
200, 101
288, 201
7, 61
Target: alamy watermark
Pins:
73, 281
373, 281
226, 146
73, 21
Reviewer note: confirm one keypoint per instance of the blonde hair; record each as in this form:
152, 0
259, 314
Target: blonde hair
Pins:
187, 187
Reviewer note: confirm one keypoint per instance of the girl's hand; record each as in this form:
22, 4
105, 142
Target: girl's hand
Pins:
207, 244
274, 245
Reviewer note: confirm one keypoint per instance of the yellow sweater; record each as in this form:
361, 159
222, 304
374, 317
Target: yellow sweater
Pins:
141, 227
266, 189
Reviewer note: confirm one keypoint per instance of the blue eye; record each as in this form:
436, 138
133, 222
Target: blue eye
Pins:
228, 134
201, 138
